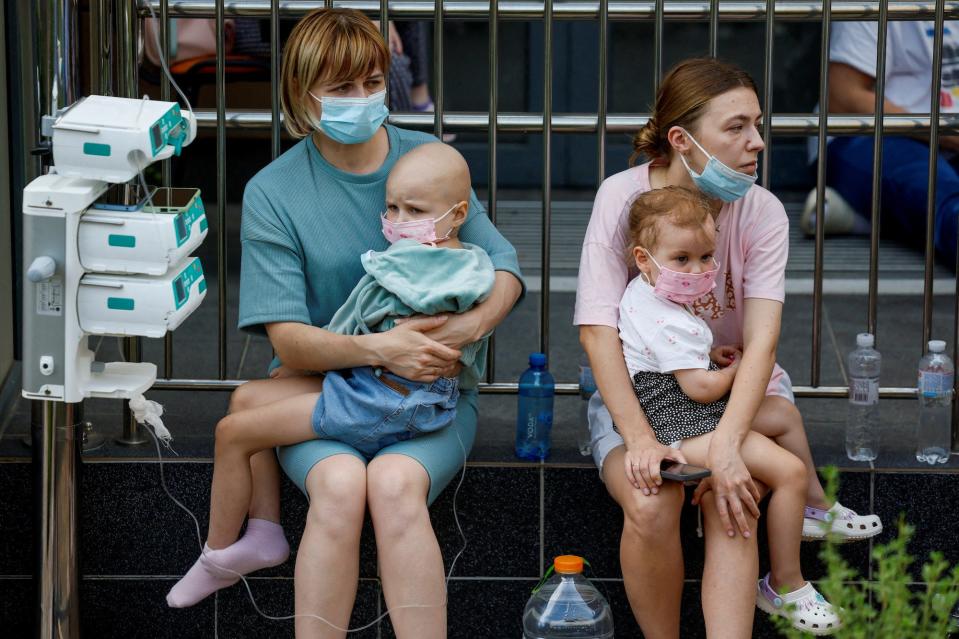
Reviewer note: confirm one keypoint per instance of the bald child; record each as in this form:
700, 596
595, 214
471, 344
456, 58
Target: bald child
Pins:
426, 270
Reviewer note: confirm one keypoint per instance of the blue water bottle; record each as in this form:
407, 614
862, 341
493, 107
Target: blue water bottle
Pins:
534, 421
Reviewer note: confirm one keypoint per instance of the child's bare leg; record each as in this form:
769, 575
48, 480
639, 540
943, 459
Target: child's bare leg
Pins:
779, 419
785, 475
265, 502
238, 437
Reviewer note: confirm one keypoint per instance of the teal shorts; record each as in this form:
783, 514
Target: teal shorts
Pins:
440, 452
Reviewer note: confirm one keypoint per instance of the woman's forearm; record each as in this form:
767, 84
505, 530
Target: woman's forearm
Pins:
760, 336
494, 309
308, 347
605, 352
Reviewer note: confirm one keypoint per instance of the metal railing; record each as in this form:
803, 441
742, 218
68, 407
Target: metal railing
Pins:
113, 67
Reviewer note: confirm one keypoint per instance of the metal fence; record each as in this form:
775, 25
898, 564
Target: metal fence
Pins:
113, 69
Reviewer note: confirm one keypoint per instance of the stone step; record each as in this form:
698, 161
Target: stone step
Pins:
135, 543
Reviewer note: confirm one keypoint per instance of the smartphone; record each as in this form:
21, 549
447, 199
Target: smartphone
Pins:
675, 471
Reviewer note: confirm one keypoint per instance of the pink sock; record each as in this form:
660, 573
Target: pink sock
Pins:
262, 546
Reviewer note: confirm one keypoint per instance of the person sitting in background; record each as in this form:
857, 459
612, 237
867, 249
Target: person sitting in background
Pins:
905, 160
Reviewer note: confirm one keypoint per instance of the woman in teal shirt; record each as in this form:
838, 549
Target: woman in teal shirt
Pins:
307, 217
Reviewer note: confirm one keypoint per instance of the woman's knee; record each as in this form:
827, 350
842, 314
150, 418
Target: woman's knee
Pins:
653, 517
337, 491
713, 521
397, 488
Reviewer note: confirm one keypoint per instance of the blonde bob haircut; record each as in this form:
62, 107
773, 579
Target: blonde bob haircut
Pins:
327, 45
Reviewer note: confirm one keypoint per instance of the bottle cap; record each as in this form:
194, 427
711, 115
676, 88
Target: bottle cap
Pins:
865, 340
537, 359
568, 564
937, 345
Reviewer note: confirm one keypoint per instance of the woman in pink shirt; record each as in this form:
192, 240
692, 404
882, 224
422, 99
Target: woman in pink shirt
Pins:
704, 133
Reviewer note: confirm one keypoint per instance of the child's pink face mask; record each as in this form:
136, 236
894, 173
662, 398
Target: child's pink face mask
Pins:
682, 288
422, 231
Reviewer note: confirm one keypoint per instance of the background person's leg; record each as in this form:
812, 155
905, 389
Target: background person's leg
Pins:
905, 175
650, 550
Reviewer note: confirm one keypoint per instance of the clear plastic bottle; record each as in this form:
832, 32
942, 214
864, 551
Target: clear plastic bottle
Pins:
862, 414
936, 375
587, 386
567, 606
534, 419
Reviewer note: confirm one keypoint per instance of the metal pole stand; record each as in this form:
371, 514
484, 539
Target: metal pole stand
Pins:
133, 435
56, 457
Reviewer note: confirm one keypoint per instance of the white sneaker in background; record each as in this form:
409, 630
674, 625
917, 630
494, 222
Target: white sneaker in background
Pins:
841, 218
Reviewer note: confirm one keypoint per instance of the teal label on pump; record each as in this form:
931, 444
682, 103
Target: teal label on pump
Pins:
184, 282
123, 241
102, 150
120, 303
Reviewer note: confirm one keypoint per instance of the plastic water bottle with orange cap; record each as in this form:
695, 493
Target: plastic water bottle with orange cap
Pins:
566, 605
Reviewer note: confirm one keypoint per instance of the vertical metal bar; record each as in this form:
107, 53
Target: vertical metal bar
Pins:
438, 100
55, 450
96, 36
221, 274
105, 46
492, 137
878, 111
933, 166
56, 462
166, 164
713, 27
547, 173
127, 31
658, 47
768, 93
601, 103
820, 193
275, 78
385, 31
955, 358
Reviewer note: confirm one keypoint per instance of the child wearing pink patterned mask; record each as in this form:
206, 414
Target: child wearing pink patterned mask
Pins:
427, 197
682, 381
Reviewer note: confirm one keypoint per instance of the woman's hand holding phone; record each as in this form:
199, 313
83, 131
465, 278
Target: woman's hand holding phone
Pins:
643, 460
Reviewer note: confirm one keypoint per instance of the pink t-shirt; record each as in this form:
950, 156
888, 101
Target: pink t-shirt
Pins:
752, 245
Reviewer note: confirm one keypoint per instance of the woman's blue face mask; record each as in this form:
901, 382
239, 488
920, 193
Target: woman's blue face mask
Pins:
351, 120
718, 180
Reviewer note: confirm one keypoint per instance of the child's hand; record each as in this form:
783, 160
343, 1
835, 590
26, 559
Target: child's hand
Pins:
725, 355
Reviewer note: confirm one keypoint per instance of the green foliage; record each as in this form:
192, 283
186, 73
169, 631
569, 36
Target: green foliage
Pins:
891, 606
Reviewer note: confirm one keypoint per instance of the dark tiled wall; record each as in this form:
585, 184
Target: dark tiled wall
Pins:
135, 543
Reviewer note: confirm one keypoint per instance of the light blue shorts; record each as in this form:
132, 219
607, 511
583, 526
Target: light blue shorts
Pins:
371, 409
441, 453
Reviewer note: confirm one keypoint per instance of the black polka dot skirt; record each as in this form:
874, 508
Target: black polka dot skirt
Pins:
670, 411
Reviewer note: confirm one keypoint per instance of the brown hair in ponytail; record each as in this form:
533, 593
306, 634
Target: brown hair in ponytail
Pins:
682, 95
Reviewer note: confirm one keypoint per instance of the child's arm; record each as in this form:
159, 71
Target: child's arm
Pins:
707, 386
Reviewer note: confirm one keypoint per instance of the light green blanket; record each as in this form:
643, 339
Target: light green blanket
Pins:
410, 278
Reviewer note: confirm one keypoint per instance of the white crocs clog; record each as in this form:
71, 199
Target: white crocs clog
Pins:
840, 522
805, 608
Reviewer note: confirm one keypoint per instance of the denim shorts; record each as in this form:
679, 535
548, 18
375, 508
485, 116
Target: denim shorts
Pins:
370, 409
